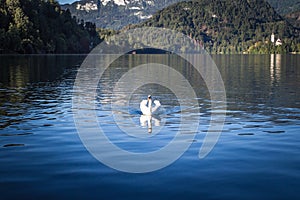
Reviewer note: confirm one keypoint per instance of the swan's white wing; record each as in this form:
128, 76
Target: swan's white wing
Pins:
144, 108
157, 104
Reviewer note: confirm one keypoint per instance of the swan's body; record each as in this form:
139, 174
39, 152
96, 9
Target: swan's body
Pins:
146, 106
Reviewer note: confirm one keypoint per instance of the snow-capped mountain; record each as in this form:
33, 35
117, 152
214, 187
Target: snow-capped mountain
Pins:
116, 14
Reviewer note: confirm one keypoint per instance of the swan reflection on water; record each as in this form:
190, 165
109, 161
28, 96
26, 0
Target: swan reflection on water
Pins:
148, 109
146, 121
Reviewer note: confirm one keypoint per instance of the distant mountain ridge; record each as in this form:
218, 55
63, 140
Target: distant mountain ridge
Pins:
115, 14
284, 7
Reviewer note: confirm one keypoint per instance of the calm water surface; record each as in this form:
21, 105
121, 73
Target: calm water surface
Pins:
256, 157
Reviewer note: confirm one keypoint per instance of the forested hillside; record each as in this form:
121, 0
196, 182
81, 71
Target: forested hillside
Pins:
229, 26
115, 14
37, 26
294, 19
284, 7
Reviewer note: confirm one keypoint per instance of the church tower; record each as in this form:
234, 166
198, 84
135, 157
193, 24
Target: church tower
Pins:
272, 38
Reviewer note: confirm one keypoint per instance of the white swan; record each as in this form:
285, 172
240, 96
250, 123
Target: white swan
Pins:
146, 106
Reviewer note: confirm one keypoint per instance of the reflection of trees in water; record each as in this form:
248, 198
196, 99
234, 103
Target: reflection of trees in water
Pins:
28, 82
260, 79
18, 71
127, 62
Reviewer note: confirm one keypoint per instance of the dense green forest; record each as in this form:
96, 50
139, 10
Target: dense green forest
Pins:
230, 26
39, 26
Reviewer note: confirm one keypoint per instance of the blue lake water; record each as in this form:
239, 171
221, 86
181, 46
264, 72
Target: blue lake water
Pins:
256, 156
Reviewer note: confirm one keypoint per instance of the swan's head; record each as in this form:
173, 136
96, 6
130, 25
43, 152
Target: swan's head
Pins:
149, 100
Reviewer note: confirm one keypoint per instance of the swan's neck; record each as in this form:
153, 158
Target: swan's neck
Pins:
150, 106
149, 120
